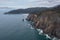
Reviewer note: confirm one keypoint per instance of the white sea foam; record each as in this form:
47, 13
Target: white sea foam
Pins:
55, 38
40, 31
32, 27
47, 36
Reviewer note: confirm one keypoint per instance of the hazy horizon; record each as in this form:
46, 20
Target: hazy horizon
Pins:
28, 3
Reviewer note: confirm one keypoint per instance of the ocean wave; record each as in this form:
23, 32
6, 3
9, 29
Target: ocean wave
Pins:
47, 36
32, 27
55, 38
40, 31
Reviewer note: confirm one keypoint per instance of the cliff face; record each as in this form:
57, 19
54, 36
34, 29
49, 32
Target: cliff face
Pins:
48, 21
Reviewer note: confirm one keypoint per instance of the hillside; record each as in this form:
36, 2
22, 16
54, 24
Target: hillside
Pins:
47, 20
28, 10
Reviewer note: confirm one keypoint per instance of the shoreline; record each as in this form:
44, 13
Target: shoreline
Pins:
47, 20
35, 22
40, 32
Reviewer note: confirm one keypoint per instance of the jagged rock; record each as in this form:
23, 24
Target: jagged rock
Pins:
48, 21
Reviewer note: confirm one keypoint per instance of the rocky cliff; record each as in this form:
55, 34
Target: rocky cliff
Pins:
47, 20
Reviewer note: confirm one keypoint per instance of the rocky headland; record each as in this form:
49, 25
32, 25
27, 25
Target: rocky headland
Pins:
48, 20
27, 10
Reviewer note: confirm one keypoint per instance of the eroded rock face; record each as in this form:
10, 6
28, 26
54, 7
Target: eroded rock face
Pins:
48, 21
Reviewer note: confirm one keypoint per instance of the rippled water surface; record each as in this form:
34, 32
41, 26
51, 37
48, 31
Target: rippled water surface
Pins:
13, 28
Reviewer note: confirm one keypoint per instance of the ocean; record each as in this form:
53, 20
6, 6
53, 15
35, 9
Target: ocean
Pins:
12, 27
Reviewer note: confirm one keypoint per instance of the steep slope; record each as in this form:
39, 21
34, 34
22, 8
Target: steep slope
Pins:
47, 20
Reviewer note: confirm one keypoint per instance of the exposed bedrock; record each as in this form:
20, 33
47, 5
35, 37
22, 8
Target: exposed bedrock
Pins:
48, 21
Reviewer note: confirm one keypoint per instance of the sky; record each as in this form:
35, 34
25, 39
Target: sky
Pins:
28, 3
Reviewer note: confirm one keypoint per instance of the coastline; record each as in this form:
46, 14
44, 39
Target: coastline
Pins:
40, 32
47, 20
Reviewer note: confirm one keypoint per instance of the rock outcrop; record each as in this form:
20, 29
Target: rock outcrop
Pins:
48, 21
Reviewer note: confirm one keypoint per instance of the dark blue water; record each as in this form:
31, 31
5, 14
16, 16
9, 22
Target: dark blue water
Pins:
13, 28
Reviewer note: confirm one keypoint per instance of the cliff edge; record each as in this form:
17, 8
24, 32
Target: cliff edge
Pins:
47, 20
